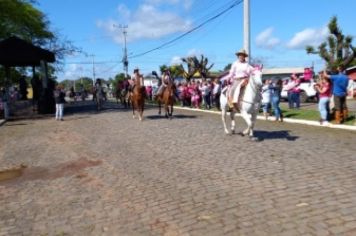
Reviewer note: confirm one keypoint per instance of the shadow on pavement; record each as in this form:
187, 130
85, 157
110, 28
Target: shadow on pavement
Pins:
157, 117
16, 124
280, 134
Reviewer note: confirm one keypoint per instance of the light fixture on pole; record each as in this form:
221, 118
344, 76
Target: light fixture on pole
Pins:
124, 58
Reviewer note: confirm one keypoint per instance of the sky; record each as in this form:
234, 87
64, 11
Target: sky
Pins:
279, 32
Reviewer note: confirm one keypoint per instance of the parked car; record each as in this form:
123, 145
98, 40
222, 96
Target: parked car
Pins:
351, 90
307, 91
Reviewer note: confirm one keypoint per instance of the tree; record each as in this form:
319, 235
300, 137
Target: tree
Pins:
84, 82
228, 67
192, 65
202, 66
338, 49
175, 70
117, 79
23, 19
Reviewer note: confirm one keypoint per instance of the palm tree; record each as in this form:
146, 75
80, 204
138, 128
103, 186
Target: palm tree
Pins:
203, 67
192, 64
338, 49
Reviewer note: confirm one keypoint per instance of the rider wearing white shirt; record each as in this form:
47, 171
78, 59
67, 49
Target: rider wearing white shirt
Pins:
239, 74
166, 79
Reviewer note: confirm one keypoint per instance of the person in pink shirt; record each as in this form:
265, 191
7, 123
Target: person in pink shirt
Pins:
239, 74
324, 90
308, 74
293, 92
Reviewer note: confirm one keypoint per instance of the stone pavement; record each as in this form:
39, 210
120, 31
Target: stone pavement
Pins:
107, 174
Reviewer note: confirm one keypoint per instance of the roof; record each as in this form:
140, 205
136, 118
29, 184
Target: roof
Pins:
350, 69
287, 70
17, 52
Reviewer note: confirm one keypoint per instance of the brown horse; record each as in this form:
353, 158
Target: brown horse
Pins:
167, 98
138, 99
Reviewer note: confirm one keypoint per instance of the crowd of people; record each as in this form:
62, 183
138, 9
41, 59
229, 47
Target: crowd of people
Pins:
205, 93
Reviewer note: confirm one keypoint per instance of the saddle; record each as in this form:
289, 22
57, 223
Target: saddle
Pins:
239, 100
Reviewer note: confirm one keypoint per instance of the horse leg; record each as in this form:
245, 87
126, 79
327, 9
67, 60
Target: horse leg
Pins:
166, 109
140, 114
133, 110
141, 110
247, 119
171, 115
232, 117
253, 122
223, 104
159, 107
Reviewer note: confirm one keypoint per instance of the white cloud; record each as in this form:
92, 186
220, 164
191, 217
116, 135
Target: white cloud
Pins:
72, 71
147, 22
176, 60
158, 2
308, 36
187, 4
266, 40
124, 11
194, 52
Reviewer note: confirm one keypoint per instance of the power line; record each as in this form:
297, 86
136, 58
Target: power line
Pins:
190, 31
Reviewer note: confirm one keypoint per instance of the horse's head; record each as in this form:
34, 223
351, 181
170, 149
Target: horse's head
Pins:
257, 75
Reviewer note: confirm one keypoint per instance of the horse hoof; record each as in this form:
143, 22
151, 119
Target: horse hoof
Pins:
241, 134
255, 139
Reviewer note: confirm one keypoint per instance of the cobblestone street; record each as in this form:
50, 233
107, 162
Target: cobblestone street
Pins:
108, 174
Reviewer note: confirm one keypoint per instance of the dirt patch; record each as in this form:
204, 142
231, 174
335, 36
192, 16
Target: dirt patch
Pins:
11, 173
55, 172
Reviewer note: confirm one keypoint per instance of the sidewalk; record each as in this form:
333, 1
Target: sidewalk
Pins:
286, 120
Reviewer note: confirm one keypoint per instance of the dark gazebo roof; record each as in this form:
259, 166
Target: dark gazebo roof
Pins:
17, 52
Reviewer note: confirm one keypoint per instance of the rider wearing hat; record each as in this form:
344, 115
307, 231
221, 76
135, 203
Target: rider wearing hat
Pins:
166, 79
239, 74
134, 79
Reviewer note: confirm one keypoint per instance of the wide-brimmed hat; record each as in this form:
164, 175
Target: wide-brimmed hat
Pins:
242, 52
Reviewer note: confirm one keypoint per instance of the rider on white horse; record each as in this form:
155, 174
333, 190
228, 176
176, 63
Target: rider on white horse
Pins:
239, 74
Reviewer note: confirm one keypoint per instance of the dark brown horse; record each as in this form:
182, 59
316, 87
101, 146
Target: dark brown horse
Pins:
138, 99
167, 98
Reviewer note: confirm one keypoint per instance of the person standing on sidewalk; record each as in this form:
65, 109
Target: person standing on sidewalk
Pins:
216, 93
276, 89
266, 98
324, 90
59, 96
340, 83
293, 92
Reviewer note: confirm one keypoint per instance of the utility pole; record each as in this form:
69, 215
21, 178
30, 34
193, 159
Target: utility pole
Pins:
247, 28
92, 55
124, 58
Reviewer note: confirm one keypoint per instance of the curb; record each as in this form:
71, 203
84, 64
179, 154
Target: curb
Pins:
2, 122
286, 120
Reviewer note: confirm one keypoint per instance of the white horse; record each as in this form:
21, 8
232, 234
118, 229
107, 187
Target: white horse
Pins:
249, 105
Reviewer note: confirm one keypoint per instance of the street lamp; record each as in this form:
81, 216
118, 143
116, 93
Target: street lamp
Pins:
124, 59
